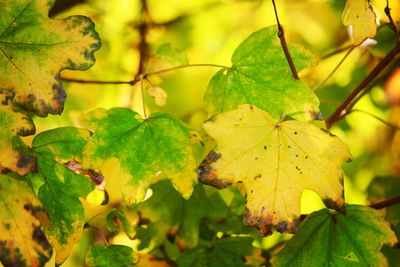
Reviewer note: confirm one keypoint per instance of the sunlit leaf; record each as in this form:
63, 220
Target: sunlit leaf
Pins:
59, 188
274, 161
22, 242
34, 49
14, 123
260, 75
101, 255
361, 16
149, 150
328, 238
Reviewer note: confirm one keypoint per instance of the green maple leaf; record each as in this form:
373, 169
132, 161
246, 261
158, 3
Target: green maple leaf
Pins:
22, 242
328, 238
100, 255
14, 123
34, 49
60, 188
260, 75
148, 150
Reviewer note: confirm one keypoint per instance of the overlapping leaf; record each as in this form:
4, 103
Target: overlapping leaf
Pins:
22, 242
329, 238
274, 161
59, 188
260, 75
148, 150
14, 123
169, 213
34, 49
113, 255
361, 16
225, 252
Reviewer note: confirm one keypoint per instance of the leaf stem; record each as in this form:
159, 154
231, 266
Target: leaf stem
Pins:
145, 75
335, 69
281, 35
386, 203
342, 111
142, 93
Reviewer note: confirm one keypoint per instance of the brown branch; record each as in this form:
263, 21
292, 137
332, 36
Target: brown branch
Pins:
281, 35
341, 111
386, 203
71, 80
392, 23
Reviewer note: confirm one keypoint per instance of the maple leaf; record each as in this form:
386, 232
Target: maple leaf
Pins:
149, 150
328, 238
59, 188
14, 123
361, 16
274, 161
260, 75
22, 243
34, 49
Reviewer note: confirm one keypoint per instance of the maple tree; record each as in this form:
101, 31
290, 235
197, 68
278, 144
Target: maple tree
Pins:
144, 185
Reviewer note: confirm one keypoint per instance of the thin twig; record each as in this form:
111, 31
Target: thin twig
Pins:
395, 127
281, 35
145, 75
335, 69
72, 80
341, 111
392, 23
386, 203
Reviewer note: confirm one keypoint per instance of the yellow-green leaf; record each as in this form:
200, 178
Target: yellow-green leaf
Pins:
13, 123
34, 49
148, 150
22, 243
360, 15
274, 161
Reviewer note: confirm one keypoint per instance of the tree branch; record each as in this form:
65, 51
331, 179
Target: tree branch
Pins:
341, 111
392, 23
281, 35
386, 203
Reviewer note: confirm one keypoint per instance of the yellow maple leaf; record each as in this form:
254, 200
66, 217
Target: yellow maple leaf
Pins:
273, 162
361, 16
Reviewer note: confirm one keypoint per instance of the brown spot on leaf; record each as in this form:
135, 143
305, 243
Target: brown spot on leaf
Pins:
207, 175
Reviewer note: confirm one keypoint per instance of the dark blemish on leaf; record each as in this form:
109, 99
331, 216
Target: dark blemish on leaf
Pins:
289, 147
10, 256
295, 132
25, 161
28, 207
206, 173
262, 209
297, 156
40, 238
282, 227
236, 124
257, 176
265, 147
11, 58
251, 191
306, 157
251, 107
256, 158
7, 226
